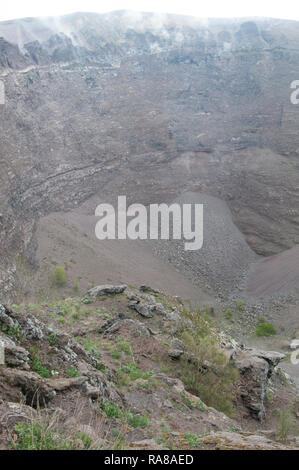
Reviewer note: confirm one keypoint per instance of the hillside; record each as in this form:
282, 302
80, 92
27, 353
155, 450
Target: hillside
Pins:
135, 369
161, 109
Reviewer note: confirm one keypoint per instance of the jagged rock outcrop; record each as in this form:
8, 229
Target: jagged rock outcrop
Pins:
34, 354
256, 368
15, 356
177, 349
146, 305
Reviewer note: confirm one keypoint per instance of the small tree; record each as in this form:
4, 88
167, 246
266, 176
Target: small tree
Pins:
59, 277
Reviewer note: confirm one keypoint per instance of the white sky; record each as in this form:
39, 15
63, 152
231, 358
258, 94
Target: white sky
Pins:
288, 9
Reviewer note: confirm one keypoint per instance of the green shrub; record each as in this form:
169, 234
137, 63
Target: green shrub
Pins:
12, 331
134, 372
38, 367
111, 410
121, 347
188, 402
124, 346
92, 347
228, 315
209, 375
59, 278
86, 440
116, 353
52, 339
72, 372
265, 329
137, 421
193, 439
240, 305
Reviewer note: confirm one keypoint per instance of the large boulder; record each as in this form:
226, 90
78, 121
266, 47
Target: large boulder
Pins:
105, 289
149, 310
143, 309
145, 288
177, 349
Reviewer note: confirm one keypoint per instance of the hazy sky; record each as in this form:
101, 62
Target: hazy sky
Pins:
205, 8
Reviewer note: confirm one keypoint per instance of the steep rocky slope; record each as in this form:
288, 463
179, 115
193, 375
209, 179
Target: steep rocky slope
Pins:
149, 106
116, 370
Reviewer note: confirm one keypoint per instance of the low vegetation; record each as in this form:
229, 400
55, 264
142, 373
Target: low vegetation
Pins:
285, 424
72, 372
265, 329
208, 375
127, 417
38, 367
37, 436
59, 277
138, 361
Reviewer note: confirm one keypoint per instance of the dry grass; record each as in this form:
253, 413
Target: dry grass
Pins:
48, 429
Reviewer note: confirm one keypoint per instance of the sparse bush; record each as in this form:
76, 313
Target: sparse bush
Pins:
134, 372
121, 347
76, 286
92, 347
137, 421
209, 375
112, 411
116, 353
228, 315
188, 402
52, 338
240, 305
285, 424
124, 346
59, 277
193, 439
36, 436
